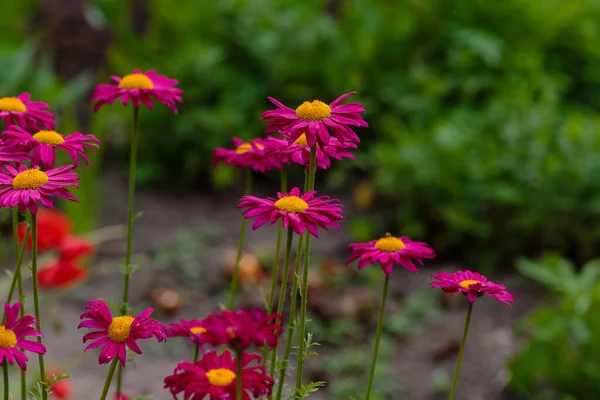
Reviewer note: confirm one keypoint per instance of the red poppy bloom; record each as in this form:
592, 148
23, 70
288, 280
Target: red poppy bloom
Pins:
61, 274
75, 247
53, 226
62, 389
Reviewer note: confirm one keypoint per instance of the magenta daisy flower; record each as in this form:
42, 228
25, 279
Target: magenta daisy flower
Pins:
193, 329
214, 377
296, 211
139, 87
115, 334
389, 251
44, 142
12, 337
28, 114
471, 284
317, 120
25, 187
249, 154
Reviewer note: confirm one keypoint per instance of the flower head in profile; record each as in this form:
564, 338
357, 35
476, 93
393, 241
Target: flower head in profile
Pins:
317, 120
389, 251
44, 143
61, 274
28, 114
249, 154
297, 211
471, 284
53, 226
214, 377
194, 330
139, 87
298, 152
12, 337
62, 389
26, 187
116, 334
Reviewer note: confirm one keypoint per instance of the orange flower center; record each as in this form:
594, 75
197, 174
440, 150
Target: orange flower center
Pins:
12, 104
197, 330
8, 339
49, 137
246, 147
389, 243
220, 376
291, 204
136, 81
30, 179
313, 111
119, 328
468, 282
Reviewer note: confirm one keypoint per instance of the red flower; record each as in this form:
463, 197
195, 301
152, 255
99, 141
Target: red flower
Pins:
121, 396
62, 389
61, 274
75, 247
53, 226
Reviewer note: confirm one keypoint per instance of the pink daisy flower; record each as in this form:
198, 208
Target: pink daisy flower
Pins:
25, 187
194, 330
12, 337
473, 285
214, 376
139, 87
12, 153
298, 212
28, 114
44, 142
249, 154
317, 120
115, 334
389, 251
298, 152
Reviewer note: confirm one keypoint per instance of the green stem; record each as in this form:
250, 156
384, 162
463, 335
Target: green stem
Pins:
282, 291
109, 377
17, 273
462, 349
19, 255
304, 293
236, 270
378, 336
5, 369
196, 353
36, 300
238, 377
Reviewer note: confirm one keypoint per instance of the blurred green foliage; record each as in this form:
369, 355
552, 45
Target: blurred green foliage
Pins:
561, 359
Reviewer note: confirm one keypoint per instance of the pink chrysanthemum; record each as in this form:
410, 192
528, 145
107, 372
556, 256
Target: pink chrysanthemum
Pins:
471, 284
193, 329
317, 120
115, 334
28, 114
241, 328
298, 212
12, 153
12, 337
25, 187
389, 251
139, 87
214, 376
249, 154
298, 152
44, 142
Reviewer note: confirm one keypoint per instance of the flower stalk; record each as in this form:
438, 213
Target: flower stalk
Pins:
461, 351
378, 337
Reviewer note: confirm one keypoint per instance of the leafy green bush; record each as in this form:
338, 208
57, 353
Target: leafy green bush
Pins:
561, 360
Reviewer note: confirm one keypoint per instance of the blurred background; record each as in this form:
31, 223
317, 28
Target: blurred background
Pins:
483, 142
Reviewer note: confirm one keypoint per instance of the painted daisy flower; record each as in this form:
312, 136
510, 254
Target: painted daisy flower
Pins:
389, 251
12, 337
139, 87
471, 284
214, 376
249, 154
28, 114
44, 142
317, 120
298, 212
25, 187
115, 334
193, 329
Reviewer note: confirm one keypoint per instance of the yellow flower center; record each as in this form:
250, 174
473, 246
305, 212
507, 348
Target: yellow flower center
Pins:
30, 179
389, 243
49, 137
8, 339
291, 204
468, 282
136, 81
246, 147
301, 141
119, 328
197, 330
313, 111
220, 376
12, 104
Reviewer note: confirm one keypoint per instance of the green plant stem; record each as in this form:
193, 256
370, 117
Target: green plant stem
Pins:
304, 292
16, 279
109, 377
238, 376
462, 349
5, 374
36, 300
196, 352
19, 258
378, 336
282, 291
236, 270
